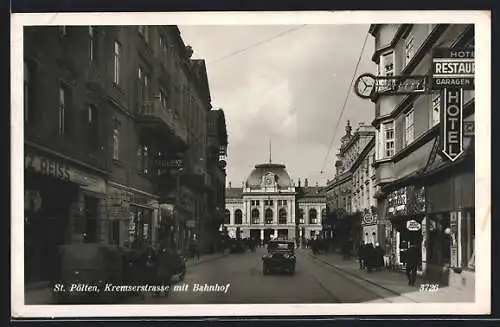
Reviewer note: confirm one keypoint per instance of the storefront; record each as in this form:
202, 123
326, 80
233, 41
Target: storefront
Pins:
63, 204
132, 217
450, 227
406, 210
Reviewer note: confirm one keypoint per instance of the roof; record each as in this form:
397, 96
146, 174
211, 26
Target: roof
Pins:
313, 191
278, 170
234, 192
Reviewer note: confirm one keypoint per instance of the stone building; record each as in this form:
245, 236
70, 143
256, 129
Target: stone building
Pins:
270, 205
428, 200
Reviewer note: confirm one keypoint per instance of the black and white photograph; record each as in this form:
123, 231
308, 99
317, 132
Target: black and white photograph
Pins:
215, 164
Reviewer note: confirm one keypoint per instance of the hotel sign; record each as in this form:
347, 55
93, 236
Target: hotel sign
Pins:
452, 72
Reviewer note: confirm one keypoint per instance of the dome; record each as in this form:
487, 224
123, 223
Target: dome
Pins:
255, 179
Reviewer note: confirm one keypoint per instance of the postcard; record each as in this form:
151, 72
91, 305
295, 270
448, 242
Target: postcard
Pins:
250, 164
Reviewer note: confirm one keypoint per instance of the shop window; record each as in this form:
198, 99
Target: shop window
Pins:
117, 57
255, 216
409, 126
282, 216
114, 232
467, 242
227, 217
436, 108
238, 217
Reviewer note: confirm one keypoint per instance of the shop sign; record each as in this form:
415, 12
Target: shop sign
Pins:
396, 201
453, 68
368, 85
413, 225
56, 169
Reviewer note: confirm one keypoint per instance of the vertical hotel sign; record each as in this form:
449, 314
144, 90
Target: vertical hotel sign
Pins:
452, 73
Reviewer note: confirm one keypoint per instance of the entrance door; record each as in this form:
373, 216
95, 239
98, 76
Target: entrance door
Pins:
267, 235
255, 234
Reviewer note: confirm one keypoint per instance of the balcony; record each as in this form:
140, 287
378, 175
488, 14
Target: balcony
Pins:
154, 115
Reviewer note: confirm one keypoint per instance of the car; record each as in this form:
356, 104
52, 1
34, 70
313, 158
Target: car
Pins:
280, 257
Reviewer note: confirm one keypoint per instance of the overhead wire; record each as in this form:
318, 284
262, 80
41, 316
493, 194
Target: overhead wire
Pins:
251, 46
344, 105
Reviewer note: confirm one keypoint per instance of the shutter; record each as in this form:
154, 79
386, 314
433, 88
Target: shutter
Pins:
399, 133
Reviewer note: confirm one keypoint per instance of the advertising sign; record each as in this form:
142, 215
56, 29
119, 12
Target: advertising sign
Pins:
452, 123
453, 68
413, 225
368, 85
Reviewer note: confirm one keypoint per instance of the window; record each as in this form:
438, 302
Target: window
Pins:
117, 62
279, 203
257, 202
227, 217
266, 203
386, 67
436, 109
92, 43
143, 159
114, 232
238, 217
116, 144
268, 216
409, 127
255, 216
93, 128
284, 202
282, 216
409, 47
301, 216
388, 139
63, 108
252, 202
313, 216
271, 202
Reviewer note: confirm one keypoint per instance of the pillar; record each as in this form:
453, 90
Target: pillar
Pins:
292, 212
275, 233
275, 211
262, 235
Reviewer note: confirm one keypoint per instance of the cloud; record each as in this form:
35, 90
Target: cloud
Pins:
291, 89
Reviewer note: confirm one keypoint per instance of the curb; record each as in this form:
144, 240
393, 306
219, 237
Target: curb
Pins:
362, 278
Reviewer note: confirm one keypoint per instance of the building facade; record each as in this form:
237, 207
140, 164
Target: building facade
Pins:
115, 124
428, 201
270, 205
351, 203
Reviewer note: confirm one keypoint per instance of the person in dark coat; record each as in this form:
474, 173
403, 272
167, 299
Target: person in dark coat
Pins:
411, 264
361, 255
369, 257
379, 257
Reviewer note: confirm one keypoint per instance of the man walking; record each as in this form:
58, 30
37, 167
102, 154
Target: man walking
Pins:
411, 264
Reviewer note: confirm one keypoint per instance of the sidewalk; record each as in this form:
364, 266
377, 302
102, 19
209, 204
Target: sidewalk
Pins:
395, 282
205, 258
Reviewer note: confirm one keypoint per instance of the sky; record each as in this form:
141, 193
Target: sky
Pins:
287, 84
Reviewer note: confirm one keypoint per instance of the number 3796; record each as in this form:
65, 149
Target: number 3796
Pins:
429, 287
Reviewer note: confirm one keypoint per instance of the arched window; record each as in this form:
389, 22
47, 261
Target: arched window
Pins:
313, 216
269, 216
282, 216
227, 217
238, 217
255, 216
301, 216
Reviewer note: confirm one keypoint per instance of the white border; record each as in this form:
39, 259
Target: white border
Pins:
482, 175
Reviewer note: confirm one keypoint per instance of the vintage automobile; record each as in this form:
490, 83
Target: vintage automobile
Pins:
280, 257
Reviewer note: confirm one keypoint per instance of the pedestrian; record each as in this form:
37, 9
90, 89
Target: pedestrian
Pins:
379, 256
411, 264
369, 257
361, 255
